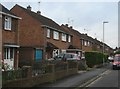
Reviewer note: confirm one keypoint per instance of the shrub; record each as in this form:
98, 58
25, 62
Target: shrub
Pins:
118, 52
95, 58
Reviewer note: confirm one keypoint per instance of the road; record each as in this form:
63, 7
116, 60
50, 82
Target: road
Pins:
110, 78
76, 80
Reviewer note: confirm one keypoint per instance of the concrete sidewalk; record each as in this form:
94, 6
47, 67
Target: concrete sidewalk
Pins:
76, 80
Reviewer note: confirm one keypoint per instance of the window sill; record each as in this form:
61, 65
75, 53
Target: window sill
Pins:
56, 39
7, 30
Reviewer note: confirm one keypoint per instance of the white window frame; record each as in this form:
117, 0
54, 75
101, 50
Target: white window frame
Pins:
98, 46
82, 42
85, 43
7, 23
69, 38
64, 37
88, 43
8, 53
48, 33
55, 35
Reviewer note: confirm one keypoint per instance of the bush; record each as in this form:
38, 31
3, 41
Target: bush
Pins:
118, 52
95, 58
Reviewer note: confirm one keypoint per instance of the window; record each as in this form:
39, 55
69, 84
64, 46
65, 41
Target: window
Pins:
7, 24
82, 42
69, 38
85, 42
88, 43
63, 37
98, 46
56, 35
48, 33
8, 53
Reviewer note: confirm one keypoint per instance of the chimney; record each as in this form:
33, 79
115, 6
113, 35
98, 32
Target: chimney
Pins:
29, 8
66, 25
39, 12
71, 27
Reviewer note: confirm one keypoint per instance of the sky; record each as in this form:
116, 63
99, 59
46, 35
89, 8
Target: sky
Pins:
85, 16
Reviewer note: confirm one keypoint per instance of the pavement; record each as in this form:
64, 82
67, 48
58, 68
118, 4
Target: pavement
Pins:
77, 80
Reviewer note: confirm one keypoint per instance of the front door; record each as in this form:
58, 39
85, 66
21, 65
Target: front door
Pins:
9, 58
38, 54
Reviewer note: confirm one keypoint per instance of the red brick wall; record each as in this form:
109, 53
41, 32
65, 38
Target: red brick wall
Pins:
10, 36
58, 43
30, 31
76, 42
87, 48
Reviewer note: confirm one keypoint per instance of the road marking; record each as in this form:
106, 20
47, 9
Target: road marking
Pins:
100, 77
93, 82
95, 79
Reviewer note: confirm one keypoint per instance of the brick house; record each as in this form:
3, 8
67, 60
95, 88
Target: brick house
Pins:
10, 45
87, 43
76, 45
40, 37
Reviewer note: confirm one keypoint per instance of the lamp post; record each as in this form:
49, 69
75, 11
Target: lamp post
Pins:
103, 40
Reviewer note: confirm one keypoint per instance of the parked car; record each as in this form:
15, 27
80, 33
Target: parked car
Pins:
110, 58
67, 56
116, 62
59, 57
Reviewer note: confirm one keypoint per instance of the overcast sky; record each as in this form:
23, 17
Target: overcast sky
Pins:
79, 14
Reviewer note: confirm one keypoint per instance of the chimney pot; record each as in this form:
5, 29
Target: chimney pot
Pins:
66, 25
71, 27
39, 12
29, 8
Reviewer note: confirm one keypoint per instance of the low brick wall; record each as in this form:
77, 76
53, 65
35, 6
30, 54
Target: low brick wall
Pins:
41, 78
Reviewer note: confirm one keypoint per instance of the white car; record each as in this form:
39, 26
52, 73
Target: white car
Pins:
67, 56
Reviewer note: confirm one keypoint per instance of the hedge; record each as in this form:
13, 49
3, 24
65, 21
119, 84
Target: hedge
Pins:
117, 52
95, 58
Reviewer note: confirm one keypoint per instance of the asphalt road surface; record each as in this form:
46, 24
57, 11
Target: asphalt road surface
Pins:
109, 79
76, 80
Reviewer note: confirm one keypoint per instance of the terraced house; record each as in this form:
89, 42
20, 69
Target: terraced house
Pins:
40, 37
81, 42
85, 43
10, 44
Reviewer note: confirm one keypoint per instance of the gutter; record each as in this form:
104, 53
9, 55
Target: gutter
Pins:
10, 15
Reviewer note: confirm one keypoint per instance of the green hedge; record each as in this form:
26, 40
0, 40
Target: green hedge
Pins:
95, 58
118, 52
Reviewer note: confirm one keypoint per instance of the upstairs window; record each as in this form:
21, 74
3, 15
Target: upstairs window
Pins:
85, 43
55, 35
63, 37
88, 43
7, 24
69, 38
48, 33
82, 42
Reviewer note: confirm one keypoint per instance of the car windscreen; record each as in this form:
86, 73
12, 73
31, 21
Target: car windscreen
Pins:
68, 56
117, 58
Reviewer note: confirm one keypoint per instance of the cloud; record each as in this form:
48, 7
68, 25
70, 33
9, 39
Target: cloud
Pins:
82, 15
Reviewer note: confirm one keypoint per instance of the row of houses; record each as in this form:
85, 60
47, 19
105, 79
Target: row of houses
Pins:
28, 36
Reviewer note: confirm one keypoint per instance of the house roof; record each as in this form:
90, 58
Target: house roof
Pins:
7, 12
70, 30
46, 22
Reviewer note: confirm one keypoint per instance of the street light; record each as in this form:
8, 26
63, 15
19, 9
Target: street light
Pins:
103, 40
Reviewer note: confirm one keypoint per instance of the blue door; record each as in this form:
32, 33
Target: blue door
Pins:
38, 54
